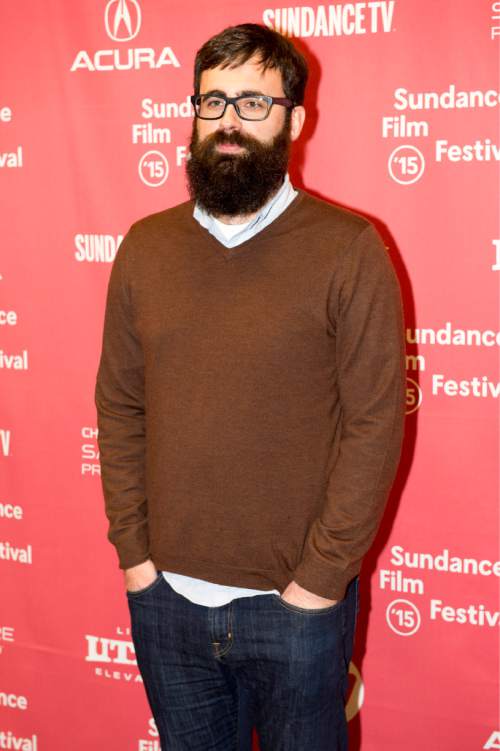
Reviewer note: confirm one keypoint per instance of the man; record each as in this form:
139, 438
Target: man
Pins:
250, 401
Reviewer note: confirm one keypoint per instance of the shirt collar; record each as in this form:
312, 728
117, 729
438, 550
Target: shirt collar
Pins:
270, 211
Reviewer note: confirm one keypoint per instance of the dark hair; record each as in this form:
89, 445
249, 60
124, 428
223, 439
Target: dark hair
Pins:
235, 45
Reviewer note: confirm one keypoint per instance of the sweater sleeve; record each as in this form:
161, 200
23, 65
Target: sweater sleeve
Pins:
119, 399
366, 310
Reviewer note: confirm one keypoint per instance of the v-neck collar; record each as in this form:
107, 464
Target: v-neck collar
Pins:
227, 254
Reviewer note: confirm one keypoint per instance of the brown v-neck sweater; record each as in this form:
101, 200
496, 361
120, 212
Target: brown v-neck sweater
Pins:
250, 400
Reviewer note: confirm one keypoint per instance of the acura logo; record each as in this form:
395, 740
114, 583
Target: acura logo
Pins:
122, 19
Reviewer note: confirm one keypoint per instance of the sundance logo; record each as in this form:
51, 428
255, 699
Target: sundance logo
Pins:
122, 22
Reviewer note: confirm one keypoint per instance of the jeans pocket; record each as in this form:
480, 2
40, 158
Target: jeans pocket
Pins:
306, 611
145, 590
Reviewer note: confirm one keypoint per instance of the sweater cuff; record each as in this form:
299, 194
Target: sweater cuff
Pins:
322, 579
129, 560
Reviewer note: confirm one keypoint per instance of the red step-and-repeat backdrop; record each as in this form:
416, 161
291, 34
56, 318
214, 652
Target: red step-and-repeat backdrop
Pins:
403, 126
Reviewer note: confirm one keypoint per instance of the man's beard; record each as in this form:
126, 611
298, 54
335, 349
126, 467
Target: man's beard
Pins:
231, 184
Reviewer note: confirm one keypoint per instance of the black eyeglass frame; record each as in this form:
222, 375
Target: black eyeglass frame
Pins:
234, 101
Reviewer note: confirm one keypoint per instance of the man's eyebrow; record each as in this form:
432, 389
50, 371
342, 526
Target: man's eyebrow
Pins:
246, 92
213, 92
250, 92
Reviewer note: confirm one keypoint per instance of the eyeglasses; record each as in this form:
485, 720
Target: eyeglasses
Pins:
258, 107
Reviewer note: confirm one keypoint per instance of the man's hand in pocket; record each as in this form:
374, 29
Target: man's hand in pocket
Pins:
297, 595
139, 577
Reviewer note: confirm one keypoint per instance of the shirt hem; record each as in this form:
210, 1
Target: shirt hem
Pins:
232, 576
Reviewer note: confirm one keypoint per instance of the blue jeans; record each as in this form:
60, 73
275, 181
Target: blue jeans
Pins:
213, 673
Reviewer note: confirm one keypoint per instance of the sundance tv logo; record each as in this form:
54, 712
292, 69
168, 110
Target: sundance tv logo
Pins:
339, 19
122, 22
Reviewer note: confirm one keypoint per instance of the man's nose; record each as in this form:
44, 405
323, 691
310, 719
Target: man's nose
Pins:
229, 119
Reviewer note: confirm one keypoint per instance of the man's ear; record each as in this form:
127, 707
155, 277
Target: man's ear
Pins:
297, 121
